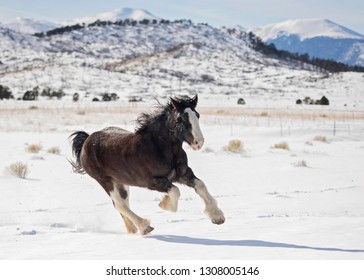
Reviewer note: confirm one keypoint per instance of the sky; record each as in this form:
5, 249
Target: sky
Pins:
247, 13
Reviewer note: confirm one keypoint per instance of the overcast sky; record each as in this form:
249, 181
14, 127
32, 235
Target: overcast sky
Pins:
247, 13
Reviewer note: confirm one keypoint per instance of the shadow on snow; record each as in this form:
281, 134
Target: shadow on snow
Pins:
242, 243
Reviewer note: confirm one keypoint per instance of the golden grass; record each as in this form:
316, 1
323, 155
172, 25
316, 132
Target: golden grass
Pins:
320, 138
18, 169
54, 150
33, 148
235, 146
282, 145
208, 150
301, 163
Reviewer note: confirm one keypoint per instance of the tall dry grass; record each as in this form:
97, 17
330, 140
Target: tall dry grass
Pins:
33, 148
235, 146
282, 145
18, 169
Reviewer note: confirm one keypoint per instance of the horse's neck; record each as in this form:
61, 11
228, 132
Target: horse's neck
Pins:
163, 132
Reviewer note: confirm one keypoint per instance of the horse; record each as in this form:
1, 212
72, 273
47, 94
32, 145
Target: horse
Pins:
152, 157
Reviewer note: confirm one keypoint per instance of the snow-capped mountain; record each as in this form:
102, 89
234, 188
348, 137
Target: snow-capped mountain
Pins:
115, 15
30, 26
141, 58
320, 38
306, 29
153, 59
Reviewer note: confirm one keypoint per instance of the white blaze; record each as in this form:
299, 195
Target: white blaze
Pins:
196, 131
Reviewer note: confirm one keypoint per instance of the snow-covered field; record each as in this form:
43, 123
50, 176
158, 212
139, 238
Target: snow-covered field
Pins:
301, 203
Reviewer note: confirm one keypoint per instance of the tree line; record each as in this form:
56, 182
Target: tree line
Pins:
100, 23
33, 94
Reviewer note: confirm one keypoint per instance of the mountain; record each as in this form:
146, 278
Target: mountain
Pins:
30, 26
320, 38
161, 58
144, 59
115, 15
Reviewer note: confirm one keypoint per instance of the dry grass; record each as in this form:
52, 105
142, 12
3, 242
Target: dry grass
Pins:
320, 138
301, 163
18, 169
33, 148
235, 146
208, 150
282, 145
54, 150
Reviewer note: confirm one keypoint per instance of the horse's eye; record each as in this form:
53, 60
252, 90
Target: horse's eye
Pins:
197, 114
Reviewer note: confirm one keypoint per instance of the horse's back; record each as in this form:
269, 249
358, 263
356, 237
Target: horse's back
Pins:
102, 146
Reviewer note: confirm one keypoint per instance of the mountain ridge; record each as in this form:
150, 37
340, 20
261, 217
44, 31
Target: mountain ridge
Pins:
306, 29
150, 59
30, 25
319, 38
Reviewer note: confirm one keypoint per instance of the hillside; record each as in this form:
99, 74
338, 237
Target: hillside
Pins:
30, 26
151, 59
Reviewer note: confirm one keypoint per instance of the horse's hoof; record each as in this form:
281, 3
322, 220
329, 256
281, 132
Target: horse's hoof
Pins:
218, 221
147, 230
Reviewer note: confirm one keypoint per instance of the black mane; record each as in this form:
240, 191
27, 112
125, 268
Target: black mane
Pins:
146, 120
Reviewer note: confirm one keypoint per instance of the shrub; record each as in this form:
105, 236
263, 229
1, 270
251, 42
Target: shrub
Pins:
241, 101
300, 163
5, 93
54, 150
208, 150
33, 148
18, 169
235, 146
320, 138
282, 145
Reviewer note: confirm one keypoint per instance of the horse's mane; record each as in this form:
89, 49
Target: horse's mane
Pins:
146, 120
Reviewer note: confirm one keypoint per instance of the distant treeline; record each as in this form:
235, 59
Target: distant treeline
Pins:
126, 22
33, 94
326, 64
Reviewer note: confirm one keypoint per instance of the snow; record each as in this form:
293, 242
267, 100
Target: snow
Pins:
300, 203
305, 29
115, 15
276, 208
30, 26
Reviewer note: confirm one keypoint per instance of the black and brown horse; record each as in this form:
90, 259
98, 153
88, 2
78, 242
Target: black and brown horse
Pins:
152, 157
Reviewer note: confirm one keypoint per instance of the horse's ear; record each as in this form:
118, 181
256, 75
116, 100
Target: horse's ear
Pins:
194, 101
177, 105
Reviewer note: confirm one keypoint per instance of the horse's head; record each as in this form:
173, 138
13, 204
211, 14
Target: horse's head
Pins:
187, 122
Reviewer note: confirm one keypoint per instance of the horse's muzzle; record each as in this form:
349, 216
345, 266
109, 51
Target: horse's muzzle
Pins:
197, 143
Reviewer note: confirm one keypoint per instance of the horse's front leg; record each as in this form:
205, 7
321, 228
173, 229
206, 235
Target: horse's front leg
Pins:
211, 209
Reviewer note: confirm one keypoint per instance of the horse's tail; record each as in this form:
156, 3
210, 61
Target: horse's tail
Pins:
78, 138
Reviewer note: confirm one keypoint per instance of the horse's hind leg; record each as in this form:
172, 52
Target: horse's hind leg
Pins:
170, 200
133, 222
130, 227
